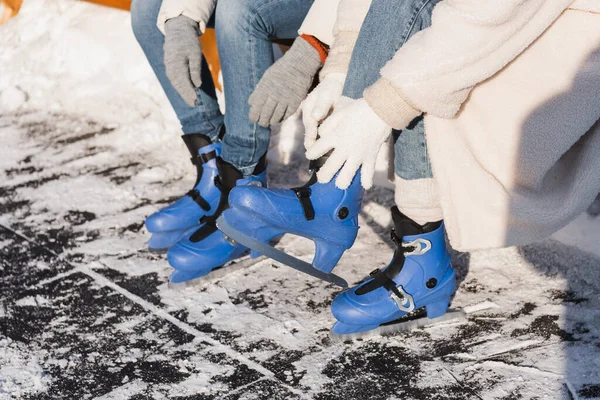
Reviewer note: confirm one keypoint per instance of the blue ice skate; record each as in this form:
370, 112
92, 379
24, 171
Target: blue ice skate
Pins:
320, 212
181, 218
206, 248
419, 275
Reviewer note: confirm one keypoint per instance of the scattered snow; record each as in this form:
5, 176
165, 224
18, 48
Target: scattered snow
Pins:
20, 371
73, 68
12, 98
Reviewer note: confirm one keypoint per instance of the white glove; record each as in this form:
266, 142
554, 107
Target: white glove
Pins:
319, 103
355, 133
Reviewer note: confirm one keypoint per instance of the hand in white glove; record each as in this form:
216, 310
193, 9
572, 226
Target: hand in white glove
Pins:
355, 133
319, 103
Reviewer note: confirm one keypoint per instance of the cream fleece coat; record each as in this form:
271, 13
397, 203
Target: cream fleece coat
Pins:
510, 91
522, 157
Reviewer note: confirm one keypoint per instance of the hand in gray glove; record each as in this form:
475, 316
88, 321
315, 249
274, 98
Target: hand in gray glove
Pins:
183, 56
283, 86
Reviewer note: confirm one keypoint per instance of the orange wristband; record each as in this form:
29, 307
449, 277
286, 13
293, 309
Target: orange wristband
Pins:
318, 45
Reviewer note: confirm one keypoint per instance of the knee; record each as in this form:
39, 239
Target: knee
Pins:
143, 18
239, 15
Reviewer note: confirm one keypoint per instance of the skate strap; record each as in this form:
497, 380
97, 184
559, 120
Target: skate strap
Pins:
209, 222
199, 159
380, 279
195, 195
208, 228
385, 278
303, 194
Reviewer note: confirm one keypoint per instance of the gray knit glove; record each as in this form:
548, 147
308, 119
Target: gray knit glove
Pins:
283, 86
183, 56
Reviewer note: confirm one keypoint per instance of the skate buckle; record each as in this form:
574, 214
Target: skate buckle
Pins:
421, 246
405, 302
255, 183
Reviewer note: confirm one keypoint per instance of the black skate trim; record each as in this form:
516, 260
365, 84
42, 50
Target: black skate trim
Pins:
209, 222
303, 192
225, 181
315, 165
200, 159
198, 199
303, 195
385, 278
403, 226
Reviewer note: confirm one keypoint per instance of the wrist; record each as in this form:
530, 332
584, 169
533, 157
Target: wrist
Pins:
302, 56
319, 46
182, 23
390, 105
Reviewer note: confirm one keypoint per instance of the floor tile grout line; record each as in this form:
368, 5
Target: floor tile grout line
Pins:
56, 277
159, 312
239, 389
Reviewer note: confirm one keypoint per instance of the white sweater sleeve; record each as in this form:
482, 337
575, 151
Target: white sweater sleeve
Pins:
198, 10
320, 20
350, 17
467, 42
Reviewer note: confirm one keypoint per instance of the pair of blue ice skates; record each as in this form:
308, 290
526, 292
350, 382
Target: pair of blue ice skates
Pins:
224, 213
186, 230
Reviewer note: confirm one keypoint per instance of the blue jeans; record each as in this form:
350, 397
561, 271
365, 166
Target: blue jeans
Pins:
205, 117
245, 29
387, 26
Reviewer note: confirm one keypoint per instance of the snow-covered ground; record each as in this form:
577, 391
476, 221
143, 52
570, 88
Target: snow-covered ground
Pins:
89, 147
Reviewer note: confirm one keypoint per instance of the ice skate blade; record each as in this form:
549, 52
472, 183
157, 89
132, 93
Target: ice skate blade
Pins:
217, 273
393, 328
155, 250
278, 255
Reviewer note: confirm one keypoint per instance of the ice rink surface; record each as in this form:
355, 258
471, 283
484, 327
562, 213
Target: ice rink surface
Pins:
89, 148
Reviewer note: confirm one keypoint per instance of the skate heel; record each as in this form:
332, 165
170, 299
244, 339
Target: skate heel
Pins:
438, 308
327, 255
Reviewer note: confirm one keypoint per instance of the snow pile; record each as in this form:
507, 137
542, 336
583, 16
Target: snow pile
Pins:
70, 56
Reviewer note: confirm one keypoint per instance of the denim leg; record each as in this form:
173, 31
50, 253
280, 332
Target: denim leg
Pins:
245, 29
387, 26
205, 117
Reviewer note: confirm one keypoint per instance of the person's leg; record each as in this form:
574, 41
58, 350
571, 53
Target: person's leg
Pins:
205, 117
379, 39
245, 30
201, 124
419, 274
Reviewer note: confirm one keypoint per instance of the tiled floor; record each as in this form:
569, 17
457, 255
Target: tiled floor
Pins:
85, 311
